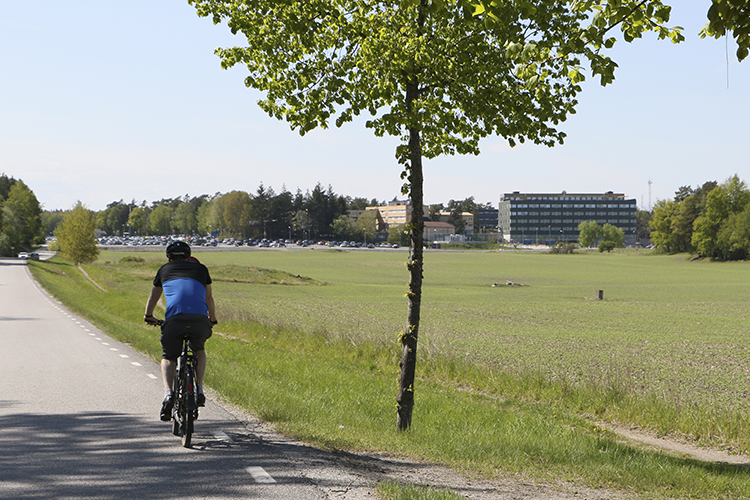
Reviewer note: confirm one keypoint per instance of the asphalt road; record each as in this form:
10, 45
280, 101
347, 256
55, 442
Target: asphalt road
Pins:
79, 419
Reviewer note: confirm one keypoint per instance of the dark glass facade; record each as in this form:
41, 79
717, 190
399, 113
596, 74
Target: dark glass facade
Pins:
487, 219
545, 218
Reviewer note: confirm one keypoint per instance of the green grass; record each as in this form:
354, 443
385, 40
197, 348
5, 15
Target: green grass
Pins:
395, 491
509, 376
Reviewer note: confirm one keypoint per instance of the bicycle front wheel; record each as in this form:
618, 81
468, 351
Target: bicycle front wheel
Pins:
186, 409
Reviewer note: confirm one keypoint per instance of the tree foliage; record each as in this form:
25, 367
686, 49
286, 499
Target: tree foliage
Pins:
705, 220
588, 232
730, 16
76, 235
612, 237
344, 228
21, 225
718, 231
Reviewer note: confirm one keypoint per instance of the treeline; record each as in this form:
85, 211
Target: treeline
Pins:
316, 214
21, 226
239, 214
712, 221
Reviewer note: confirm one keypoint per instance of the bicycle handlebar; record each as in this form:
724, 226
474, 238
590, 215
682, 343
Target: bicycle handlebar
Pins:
159, 322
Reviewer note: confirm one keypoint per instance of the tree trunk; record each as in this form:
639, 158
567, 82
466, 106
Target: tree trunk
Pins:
405, 400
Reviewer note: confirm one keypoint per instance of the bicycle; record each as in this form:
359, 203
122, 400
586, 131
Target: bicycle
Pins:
185, 409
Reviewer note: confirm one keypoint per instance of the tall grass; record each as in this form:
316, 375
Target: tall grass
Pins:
318, 358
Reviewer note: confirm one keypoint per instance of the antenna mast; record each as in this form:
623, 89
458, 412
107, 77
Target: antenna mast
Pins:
649, 195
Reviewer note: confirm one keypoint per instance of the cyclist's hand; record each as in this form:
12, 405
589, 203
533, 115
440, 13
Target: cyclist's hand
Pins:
151, 320
214, 322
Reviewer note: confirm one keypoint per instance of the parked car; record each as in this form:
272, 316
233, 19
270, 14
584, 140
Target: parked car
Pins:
23, 255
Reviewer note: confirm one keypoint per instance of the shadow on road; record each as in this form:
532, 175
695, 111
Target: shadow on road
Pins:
111, 455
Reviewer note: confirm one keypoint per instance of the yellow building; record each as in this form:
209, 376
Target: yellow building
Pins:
397, 212
467, 217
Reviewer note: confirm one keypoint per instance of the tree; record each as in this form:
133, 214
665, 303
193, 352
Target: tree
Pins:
50, 220
236, 212
139, 221
367, 224
665, 211
673, 221
21, 218
457, 208
730, 16
185, 219
396, 234
713, 230
358, 204
439, 74
76, 236
434, 210
642, 220
160, 220
588, 232
114, 218
613, 235
734, 236
344, 227
301, 222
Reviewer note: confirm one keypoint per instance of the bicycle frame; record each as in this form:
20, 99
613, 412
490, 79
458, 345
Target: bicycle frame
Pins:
185, 410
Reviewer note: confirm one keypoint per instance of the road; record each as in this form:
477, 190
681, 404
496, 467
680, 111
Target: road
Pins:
79, 419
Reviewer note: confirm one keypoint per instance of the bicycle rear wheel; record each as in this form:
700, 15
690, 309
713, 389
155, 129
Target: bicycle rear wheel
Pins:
187, 408
187, 429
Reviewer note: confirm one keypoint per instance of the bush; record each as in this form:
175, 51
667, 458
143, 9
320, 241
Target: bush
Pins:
607, 245
131, 258
562, 247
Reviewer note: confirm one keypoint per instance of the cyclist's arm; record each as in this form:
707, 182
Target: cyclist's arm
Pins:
210, 304
152, 300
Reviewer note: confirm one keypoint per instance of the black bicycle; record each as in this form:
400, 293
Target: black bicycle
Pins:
185, 409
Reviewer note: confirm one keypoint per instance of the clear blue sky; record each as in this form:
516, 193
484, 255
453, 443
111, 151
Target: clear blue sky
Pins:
110, 100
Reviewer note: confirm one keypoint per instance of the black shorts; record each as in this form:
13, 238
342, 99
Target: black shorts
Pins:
197, 327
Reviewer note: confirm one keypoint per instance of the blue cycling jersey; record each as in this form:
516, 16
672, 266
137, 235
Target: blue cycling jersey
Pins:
184, 284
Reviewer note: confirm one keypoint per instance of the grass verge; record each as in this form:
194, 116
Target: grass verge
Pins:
340, 395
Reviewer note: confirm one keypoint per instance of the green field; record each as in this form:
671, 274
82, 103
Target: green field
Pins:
666, 326
511, 378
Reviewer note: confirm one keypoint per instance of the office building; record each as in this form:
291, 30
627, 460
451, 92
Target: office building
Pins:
545, 218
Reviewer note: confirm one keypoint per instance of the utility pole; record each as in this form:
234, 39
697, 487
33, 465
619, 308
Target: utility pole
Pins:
649, 195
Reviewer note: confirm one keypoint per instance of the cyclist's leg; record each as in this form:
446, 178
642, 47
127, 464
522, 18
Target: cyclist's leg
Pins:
171, 347
167, 373
200, 333
200, 366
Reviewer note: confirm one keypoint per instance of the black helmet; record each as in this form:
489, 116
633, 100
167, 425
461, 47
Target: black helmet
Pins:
178, 250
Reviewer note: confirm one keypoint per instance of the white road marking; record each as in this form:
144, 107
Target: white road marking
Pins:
135, 363
260, 475
151, 376
124, 356
113, 349
222, 436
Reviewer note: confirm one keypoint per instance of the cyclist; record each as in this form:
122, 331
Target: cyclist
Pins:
186, 286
